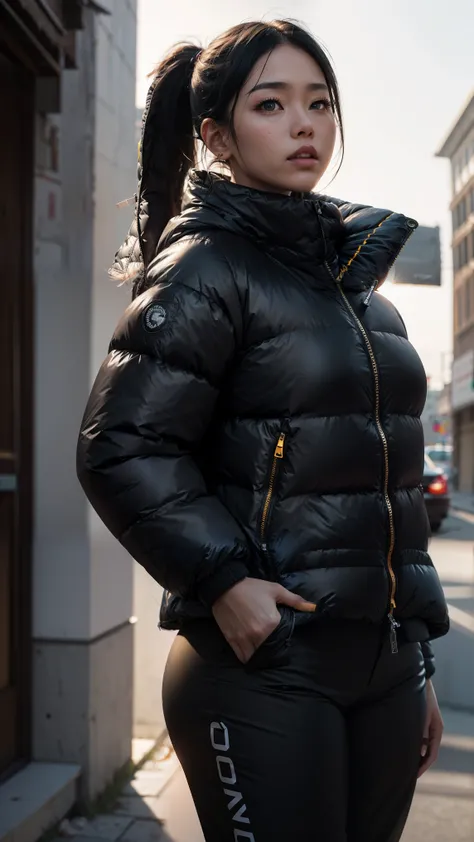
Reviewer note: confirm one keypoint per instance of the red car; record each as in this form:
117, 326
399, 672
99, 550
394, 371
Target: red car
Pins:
436, 493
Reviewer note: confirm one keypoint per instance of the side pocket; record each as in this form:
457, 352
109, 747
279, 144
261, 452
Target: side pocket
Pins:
275, 651
278, 455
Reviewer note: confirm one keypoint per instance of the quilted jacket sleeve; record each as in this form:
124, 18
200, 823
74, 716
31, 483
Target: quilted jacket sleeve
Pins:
429, 657
149, 409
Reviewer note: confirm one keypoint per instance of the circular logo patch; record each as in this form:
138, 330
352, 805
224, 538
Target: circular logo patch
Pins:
153, 317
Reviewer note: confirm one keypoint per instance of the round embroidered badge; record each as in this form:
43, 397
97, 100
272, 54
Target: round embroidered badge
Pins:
153, 317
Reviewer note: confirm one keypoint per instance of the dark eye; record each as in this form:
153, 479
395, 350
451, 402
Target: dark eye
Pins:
269, 105
321, 105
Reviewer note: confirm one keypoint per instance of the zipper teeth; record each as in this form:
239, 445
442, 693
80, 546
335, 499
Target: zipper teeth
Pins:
383, 438
359, 249
271, 484
364, 243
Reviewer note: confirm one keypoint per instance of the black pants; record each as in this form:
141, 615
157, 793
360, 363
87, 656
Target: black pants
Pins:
323, 747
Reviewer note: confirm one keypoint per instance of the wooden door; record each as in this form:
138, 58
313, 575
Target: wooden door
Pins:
16, 343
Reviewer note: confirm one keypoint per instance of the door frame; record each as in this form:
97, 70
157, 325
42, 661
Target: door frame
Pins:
23, 413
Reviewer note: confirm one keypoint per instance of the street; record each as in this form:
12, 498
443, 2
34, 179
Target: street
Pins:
444, 804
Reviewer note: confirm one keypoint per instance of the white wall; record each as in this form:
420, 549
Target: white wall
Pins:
114, 576
151, 651
115, 179
83, 580
62, 268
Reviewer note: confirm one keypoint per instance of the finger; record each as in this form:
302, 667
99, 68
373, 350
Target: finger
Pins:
424, 745
246, 648
239, 652
428, 761
285, 597
423, 768
431, 750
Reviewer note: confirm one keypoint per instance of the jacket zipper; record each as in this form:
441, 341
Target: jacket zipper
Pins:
277, 455
411, 224
393, 625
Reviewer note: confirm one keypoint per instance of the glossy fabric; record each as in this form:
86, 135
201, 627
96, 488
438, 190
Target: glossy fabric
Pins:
324, 749
242, 335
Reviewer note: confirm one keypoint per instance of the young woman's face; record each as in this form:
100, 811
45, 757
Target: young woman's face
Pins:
284, 126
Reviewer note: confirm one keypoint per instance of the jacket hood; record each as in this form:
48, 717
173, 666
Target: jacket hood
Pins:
357, 242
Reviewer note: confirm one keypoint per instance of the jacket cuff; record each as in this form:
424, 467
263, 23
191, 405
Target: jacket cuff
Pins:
225, 577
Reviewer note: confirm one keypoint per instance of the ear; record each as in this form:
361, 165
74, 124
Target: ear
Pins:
217, 139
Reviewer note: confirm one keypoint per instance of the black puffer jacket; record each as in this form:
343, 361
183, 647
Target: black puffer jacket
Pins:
259, 413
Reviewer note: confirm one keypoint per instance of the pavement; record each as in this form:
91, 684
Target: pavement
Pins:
462, 501
156, 805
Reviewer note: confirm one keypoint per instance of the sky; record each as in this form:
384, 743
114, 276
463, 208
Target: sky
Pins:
406, 70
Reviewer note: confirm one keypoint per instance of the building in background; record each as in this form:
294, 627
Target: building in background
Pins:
419, 262
459, 149
436, 416
67, 81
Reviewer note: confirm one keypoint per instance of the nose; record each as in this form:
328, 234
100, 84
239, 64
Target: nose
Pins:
302, 125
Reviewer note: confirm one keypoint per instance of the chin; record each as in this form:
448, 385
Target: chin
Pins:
302, 182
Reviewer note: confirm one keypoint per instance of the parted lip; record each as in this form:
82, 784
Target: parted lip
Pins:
304, 150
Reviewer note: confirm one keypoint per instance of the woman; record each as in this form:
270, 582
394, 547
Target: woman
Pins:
254, 441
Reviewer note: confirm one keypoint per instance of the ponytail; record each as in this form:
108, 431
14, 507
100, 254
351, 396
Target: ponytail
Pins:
171, 132
166, 153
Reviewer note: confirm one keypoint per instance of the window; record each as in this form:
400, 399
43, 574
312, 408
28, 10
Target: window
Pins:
467, 301
460, 255
458, 309
462, 210
463, 245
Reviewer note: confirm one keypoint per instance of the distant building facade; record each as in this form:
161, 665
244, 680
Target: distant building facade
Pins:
436, 417
458, 147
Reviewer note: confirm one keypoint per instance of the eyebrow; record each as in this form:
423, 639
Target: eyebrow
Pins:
278, 86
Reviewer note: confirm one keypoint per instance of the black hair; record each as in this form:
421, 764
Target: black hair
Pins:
192, 84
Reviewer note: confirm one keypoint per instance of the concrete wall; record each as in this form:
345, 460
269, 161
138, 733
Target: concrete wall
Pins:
151, 651
115, 179
83, 580
115, 173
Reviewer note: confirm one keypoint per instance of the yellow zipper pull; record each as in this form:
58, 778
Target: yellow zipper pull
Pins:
279, 448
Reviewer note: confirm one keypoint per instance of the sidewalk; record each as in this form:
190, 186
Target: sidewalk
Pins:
443, 808
156, 805
139, 812
463, 501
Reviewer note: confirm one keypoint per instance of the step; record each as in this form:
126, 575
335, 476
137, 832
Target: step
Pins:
35, 799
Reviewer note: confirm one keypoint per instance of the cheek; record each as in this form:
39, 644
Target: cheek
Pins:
256, 137
328, 137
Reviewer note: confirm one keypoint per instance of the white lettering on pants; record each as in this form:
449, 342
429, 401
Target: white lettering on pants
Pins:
220, 741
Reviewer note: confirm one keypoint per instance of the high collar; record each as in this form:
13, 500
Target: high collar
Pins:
358, 244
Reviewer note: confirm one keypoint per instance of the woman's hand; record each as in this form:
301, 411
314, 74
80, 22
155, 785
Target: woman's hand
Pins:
433, 730
247, 613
